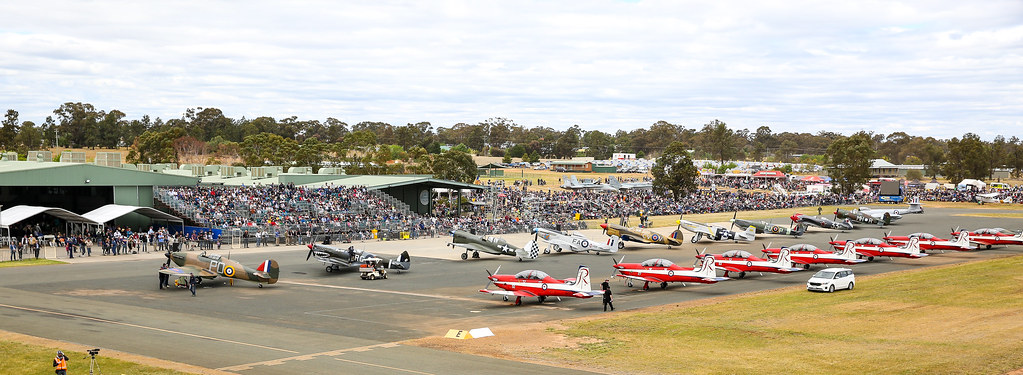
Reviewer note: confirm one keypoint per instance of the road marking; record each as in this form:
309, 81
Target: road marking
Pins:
381, 291
306, 357
143, 327
382, 366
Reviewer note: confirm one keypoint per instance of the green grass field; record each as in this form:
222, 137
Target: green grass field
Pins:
29, 262
965, 318
21, 358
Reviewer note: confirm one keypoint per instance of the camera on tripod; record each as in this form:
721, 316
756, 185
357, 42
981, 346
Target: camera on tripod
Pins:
93, 352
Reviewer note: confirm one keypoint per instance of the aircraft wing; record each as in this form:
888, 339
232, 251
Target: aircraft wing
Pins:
592, 293
800, 261
516, 293
477, 247
729, 268
564, 245
333, 261
983, 242
186, 270
641, 278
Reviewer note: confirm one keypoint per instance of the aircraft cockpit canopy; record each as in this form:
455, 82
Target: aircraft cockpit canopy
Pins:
493, 239
736, 254
923, 236
868, 241
803, 247
531, 275
657, 262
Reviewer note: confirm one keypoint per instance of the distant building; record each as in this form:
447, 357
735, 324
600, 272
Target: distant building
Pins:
623, 156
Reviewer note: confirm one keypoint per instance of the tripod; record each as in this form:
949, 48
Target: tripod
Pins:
93, 366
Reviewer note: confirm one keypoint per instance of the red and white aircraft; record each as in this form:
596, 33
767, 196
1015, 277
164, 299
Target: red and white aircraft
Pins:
992, 236
664, 271
865, 242
807, 254
911, 250
931, 242
742, 261
533, 283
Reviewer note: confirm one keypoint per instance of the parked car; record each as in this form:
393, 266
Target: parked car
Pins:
829, 279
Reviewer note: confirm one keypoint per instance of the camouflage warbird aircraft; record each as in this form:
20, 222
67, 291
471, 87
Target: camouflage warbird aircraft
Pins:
641, 235
765, 227
211, 266
491, 245
336, 258
881, 219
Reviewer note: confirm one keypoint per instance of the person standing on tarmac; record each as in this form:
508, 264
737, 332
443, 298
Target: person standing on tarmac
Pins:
60, 362
163, 277
606, 286
193, 281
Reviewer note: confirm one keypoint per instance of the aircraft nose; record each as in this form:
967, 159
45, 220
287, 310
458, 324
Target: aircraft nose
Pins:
310, 246
492, 278
603, 226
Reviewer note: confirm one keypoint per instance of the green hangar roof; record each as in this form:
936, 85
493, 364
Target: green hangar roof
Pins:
26, 173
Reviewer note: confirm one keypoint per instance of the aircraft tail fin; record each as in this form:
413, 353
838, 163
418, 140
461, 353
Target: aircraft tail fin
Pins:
613, 243
849, 251
784, 257
403, 262
582, 279
963, 239
887, 220
530, 251
913, 245
270, 268
613, 181
707, 269
677, 234
915, 206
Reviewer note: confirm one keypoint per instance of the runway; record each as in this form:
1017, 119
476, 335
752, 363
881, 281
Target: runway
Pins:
316, 322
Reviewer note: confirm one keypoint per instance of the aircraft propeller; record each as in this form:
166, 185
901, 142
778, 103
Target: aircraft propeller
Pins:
489, 275
310, 252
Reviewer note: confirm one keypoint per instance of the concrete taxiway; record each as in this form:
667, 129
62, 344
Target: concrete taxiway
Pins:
316, 322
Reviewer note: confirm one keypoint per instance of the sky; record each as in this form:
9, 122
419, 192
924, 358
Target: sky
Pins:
931, 68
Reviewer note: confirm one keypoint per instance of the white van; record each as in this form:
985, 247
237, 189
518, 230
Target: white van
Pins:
829, 279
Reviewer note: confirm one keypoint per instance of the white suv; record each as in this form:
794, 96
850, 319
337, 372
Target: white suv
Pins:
829, 279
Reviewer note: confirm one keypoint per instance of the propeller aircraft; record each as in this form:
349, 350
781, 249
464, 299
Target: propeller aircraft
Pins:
807, 254
865, 242
931, 242
992, 236
716, 233
533, 283
822, 222
911, 250
663, 271
881, 218
211, 266
765, 227
491, 245
575, 242
641, 235
742, 261
336, 258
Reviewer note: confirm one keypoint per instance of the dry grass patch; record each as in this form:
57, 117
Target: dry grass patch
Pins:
965, 318
29, 262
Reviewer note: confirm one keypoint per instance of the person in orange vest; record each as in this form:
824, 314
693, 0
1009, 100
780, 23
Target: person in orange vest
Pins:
60, 362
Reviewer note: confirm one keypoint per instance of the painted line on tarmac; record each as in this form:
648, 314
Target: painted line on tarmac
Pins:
382, 366
29, 309
306, 357
381, 291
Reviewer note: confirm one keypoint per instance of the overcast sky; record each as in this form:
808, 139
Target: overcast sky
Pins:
938, 68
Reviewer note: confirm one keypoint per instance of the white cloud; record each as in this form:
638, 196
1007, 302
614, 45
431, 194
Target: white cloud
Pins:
941, 66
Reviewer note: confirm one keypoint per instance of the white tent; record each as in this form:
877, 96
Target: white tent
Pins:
16, 214
976, 184
113, 211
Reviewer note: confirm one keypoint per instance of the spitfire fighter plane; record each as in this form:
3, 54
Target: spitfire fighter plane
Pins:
336, 258
868, 217
765, 227
211, 266
533, 283
822, 222
716, 233
491, 245
641, 235
575, 242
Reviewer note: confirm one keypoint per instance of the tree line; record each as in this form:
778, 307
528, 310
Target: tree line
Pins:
206, 135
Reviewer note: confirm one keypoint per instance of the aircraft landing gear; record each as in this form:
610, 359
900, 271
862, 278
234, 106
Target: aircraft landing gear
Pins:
475, 255
465, 255
629, 283
518, 301
742, 274
870, 259
547, 250
330, 269
664, 285
541, 298
646, 285
505, 298
260, 285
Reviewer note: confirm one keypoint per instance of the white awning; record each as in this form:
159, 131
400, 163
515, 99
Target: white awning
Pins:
113, 211
16, 214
